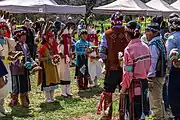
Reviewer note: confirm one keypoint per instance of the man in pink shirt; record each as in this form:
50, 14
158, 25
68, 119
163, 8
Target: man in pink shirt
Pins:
135, 70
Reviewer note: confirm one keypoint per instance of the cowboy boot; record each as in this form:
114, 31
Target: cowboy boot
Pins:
14, 100
23, 100
107, 106
68, 90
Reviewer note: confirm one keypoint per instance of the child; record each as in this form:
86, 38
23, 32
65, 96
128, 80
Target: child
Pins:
65, 52
82, 61
20, 71
49, 75
94, 66
136, 66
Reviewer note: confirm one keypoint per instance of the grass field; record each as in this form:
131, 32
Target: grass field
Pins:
80, 107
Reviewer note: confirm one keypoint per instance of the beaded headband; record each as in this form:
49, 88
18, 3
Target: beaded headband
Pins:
20, 33
135, 31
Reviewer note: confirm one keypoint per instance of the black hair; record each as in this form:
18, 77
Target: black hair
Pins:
157, 33
164, 25
177, 22
84, 32
134, 26
157, 19
98, 31
43, 41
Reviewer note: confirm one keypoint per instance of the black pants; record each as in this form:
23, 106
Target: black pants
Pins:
112, 80
141, 102
173, 91
82, 60
20, 84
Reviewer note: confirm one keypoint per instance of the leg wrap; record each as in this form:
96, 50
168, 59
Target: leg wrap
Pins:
106, 98
80, 82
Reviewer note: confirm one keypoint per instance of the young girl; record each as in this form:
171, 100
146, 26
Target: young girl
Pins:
94, 66
136, 66
49, 75
65, 52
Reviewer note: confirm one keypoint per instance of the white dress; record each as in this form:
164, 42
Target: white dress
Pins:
6, 48
63, 67
94, 66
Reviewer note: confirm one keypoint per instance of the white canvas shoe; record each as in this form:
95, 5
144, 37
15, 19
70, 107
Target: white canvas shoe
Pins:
47, 97
68, 90
52, 95
63, 91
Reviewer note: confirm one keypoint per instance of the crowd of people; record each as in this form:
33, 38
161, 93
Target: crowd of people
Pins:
144, 66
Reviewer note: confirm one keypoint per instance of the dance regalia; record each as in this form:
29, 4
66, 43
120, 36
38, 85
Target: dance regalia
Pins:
92, 37
65, 51
173, 86
135, 81
112, 43
20, 73
81, 27
82, 64
6, 46
48, 80
94, 65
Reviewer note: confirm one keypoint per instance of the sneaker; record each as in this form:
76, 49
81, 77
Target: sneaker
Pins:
70, 95
53, 100
64, 95
48, 101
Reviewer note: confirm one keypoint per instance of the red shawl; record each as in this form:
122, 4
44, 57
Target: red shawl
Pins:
66, 38
52, 47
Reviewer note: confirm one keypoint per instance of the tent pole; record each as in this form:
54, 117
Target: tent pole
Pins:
145, 20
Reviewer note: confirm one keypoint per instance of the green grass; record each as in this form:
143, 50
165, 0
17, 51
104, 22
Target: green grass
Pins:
80, 107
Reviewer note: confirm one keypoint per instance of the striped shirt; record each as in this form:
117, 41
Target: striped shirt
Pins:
136, 62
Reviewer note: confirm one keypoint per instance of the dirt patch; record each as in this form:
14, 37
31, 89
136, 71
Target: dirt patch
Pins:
86, 117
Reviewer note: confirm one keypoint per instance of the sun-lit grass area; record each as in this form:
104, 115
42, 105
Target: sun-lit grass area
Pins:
81, 106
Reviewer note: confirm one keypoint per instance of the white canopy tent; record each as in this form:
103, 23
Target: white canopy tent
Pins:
131, 7
162, 6
40, 6
176, 4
